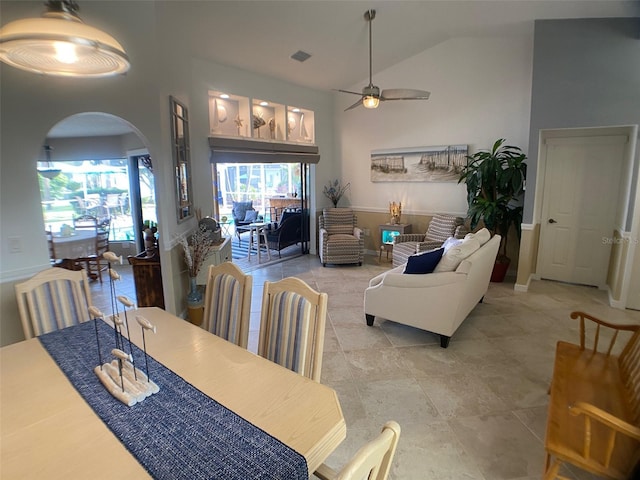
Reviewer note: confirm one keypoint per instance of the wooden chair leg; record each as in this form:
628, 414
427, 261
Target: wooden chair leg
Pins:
99, 269
552, 473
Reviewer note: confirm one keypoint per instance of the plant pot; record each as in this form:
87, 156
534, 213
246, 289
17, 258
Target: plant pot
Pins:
500, 270
195, 314
195, 305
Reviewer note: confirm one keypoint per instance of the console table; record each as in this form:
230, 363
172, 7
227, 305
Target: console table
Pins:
388, 232
219, 254
147, 276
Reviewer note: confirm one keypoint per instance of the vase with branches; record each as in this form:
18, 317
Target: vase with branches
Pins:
196, 247
335, 190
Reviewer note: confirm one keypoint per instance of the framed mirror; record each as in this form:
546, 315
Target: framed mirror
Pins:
181, 158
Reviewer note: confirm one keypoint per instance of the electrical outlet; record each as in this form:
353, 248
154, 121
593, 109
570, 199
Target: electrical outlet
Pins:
15, 244
366, 232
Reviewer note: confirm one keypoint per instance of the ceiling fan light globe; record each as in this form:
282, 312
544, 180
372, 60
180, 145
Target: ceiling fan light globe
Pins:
370, 102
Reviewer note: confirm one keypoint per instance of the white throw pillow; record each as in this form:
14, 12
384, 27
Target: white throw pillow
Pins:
482, 235
455, 255
451, 242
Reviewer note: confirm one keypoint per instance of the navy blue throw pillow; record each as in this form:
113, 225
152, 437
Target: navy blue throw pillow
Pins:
423, 262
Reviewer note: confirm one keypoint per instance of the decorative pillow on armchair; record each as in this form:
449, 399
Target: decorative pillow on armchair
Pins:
424, 262
239, 210
250, 216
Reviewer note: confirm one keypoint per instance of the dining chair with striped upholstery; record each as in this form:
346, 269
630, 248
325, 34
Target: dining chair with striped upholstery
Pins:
227, 303
53, 299
292, 324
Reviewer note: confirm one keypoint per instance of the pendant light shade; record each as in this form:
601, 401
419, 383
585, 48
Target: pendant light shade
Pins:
60, 44
49, 171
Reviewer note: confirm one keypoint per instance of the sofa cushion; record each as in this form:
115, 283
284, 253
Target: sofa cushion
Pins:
451, 242
455, 255
482, 235
423, 262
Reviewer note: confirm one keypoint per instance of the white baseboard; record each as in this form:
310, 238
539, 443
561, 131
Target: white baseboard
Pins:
619, 304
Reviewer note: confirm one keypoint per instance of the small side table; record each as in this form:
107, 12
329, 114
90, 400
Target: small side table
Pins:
388, 232
259, 229
225, 227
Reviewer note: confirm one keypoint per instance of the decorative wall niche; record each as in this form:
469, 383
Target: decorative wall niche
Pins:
229, 115
236, 116
300, 125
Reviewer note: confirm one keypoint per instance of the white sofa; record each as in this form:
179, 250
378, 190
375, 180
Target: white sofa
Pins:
436, 302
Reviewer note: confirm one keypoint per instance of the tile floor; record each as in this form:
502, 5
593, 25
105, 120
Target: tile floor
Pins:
475, 410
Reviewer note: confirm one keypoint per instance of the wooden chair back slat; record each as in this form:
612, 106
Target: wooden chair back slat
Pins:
629, 363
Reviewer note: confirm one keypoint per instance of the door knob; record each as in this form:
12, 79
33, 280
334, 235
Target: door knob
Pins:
551, 220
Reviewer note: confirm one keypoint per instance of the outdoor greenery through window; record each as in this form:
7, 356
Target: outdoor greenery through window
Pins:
258, 182
100, 188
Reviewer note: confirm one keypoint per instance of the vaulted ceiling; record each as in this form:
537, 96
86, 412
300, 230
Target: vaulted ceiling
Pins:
261, 35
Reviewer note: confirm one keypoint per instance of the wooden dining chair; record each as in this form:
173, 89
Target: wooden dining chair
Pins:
292, 324
85, 222
94, 263
53, 259
52, 299
227, 303
372, 461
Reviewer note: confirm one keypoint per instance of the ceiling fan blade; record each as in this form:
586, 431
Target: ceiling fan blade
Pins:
404, 94
359, 102
347, 91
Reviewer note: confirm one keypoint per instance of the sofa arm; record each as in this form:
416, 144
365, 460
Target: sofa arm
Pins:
378, 278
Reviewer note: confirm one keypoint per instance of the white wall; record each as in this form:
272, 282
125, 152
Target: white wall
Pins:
31, 105
480, 91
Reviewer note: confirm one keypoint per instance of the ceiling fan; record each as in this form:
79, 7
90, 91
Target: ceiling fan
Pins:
371, 95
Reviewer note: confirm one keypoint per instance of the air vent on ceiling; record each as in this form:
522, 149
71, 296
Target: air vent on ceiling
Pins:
301, 56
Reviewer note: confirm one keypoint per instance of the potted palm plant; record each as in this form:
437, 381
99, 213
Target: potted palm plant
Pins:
495, 182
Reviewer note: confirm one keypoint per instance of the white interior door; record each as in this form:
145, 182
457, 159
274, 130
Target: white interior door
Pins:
581, 192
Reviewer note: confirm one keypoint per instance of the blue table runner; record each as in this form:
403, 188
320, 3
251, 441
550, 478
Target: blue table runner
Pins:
178, 433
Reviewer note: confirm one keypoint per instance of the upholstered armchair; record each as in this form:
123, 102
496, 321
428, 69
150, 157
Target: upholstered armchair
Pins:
341, 241
440, 228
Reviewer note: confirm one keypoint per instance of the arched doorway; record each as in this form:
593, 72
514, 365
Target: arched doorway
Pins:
98, 164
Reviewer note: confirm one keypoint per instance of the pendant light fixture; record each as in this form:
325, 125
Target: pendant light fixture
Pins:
49, 171
60, 44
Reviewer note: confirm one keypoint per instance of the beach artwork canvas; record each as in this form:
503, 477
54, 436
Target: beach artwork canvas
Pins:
419, 164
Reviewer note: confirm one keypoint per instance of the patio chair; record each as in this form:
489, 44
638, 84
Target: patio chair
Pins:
243, 214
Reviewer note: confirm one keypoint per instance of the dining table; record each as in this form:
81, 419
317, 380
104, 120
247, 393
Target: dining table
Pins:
49, 427
79, 244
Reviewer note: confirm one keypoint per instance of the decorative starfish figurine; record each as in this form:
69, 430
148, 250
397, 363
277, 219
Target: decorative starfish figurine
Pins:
238, 122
